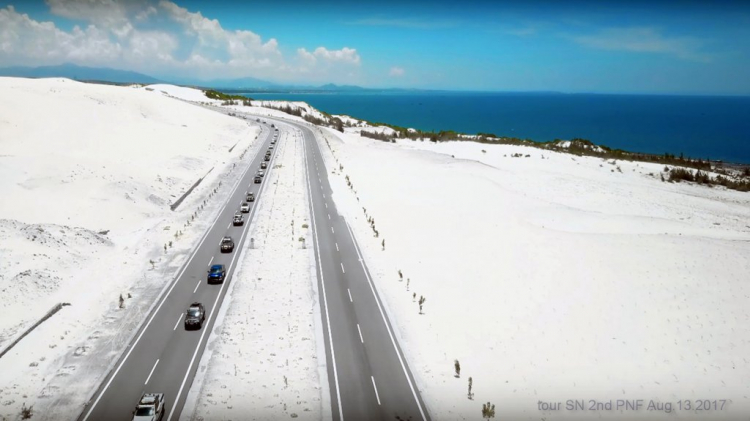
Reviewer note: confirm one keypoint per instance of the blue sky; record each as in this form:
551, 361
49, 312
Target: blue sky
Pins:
610, 47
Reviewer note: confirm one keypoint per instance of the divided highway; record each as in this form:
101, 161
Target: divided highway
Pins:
367, 373
164, 356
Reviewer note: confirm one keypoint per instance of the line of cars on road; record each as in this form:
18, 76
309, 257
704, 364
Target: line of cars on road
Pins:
217, 273
151, 406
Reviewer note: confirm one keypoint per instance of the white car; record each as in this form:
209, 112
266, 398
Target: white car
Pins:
245, 207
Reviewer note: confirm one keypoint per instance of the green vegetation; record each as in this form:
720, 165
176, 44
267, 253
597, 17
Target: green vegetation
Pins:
210, 93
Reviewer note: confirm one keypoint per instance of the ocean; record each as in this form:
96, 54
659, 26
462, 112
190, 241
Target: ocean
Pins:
699, 126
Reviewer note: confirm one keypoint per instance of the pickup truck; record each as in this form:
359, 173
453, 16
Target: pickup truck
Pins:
149, 408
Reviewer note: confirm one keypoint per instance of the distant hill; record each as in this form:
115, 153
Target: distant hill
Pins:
82, 73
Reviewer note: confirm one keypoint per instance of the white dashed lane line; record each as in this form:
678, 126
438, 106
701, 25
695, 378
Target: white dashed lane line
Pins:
347, 290
178, 322
376, 389
152, 371
342, 268
360, 334
337, 246
332, 231
196, 287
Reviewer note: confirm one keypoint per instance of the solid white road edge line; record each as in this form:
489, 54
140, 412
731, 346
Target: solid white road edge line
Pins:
178, 322
323, 285
376, 389
360, 334
152, 371
388, 328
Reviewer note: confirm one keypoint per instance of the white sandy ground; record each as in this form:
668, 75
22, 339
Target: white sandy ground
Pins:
264, 364
552, 278
76, 159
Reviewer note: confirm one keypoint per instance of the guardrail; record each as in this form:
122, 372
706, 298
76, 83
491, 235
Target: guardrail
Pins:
174, 205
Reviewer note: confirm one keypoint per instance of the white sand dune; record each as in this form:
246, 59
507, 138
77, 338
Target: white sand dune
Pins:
87, 174
552, 277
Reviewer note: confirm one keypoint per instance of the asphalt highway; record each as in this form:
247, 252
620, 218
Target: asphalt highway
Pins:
164, 356
369, 378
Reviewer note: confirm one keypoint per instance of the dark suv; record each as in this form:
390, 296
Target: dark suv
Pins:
195, 316
250, 197
258, 179
227, 245
216, 274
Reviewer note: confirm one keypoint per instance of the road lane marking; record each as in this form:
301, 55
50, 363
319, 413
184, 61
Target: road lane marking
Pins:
342, 268
152, 371
337, 246
199, 284
210, 261
326, 205
376, 389
388, 328
178, 322
229, 225
350, 296
334, 232
325, 296
360, 334
329, 216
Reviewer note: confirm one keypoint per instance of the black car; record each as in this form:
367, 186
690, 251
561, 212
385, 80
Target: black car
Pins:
263, 165
258, 179
216, 274
227, 245
238, 220
267, 158
250, 195
195, 316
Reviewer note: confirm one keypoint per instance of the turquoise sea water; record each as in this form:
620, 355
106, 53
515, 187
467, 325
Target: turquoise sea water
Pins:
705, 127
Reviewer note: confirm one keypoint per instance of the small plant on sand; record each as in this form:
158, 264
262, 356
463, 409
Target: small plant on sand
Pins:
457, 367
421, 303
400, 275
488, 411
122, 301
26, 412
471, 384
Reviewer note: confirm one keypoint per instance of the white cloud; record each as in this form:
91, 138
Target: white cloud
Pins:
145, 13
344, 55
121, 35
396, 72
643, 40
26, 41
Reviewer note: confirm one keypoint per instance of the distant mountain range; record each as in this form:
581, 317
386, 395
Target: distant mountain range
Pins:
72, 71
102, 74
